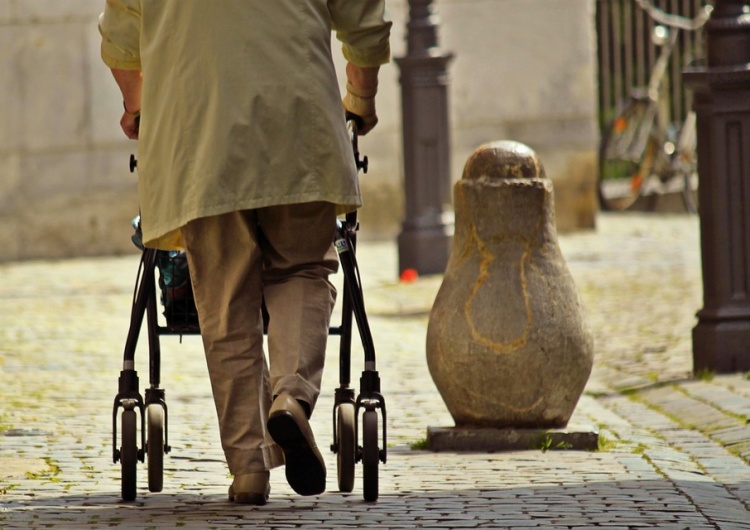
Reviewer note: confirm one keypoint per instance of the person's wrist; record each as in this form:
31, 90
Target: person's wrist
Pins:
362, 107
134, 114
362, 92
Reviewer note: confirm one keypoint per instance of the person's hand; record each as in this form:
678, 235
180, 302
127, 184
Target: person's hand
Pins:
130, 123
361, 103
131, 86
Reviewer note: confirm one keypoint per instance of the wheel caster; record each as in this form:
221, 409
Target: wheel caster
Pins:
129, 454
370, 455
155, 447
347, 450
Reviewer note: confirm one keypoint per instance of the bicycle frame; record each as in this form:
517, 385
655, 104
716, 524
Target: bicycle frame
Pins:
657, 110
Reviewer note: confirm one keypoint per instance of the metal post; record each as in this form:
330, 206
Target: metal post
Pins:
721, 339
424, 242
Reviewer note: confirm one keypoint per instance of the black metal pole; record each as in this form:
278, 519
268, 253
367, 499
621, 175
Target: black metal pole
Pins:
424, 242
721, 339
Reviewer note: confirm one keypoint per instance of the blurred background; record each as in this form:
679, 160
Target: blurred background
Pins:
525, 70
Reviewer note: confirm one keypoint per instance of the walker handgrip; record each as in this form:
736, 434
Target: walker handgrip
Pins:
354, 123
357, 120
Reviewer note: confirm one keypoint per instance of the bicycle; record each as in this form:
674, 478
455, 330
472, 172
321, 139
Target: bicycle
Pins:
642, 152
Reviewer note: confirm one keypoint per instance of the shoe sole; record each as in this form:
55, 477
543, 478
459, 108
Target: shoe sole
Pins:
305, 471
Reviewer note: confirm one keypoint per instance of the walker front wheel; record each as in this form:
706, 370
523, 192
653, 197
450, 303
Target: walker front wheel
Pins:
345, 457
155, 447
129, 454
370, 455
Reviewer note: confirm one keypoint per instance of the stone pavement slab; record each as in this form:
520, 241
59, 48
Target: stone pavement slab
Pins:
674, 452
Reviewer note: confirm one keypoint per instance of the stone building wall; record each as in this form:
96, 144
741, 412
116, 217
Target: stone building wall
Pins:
523, 70
64, 187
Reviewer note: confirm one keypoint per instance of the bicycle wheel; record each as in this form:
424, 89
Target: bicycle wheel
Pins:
345, 457
370, 455
626, 157
129, 455
155, 447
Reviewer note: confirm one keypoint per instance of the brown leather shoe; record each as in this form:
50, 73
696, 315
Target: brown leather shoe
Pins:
250, 488
288, 425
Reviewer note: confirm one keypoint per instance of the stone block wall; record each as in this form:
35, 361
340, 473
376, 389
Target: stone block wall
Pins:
524, 70
64, 185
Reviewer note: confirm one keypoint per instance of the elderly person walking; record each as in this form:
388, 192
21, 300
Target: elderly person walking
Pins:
244, 162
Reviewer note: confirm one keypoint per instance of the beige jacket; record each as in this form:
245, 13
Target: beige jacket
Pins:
240, 107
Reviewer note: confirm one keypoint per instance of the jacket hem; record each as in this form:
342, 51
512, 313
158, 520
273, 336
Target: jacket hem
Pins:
169, 237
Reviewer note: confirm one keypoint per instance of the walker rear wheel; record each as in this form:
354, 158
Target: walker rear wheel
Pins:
129, 455
345, 457
370, 455
155, 447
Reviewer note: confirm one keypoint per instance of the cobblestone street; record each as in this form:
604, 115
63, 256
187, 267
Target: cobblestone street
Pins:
675, 450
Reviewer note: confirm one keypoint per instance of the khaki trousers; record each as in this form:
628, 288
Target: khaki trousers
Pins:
283, 254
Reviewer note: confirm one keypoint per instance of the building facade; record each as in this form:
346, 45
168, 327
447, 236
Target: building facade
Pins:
524, 70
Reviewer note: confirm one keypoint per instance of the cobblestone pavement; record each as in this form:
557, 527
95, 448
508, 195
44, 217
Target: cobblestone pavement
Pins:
675, 449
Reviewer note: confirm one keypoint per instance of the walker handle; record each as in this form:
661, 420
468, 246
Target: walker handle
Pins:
354, 122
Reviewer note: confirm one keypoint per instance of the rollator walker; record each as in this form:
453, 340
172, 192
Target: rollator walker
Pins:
149, 414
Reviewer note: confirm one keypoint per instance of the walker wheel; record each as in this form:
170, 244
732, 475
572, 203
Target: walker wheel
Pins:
155, 447
370, 455
129, 455
346, 455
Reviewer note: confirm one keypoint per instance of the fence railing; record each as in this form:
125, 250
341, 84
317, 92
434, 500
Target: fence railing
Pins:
627, 53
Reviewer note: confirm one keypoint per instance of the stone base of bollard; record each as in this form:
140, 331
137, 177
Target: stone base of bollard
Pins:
487, 440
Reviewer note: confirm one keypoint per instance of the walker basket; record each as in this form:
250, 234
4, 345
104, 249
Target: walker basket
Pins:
176, 289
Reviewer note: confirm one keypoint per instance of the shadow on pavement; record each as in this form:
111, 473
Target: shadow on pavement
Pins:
689, 503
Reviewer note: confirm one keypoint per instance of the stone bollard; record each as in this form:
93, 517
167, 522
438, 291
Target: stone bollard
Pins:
507, 345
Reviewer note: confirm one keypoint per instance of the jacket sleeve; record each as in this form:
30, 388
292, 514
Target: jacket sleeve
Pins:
119, 26
363, 30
